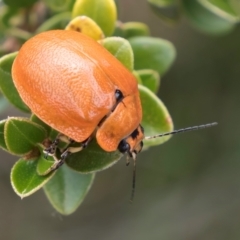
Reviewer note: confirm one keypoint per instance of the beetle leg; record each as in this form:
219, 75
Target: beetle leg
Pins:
64, 155
50, 151
67, 151
64, 138
132, 155
86, 142
127, 160
58, 163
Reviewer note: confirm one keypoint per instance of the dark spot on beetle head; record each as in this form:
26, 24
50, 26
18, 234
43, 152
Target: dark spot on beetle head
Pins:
118, 95
135, 133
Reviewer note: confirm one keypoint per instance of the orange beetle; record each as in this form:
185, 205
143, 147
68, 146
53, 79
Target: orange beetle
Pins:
77, 87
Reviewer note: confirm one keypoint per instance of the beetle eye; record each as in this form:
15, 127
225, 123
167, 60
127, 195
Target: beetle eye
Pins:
118, 95
123, 146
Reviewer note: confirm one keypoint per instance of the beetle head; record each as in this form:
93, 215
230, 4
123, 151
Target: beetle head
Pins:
133, 144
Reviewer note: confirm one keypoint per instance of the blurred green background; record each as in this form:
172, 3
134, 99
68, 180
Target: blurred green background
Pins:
188, 188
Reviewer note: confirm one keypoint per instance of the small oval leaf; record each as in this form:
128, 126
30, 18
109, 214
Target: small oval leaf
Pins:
35, 119
86, 26
24, 178
205, 20
92, 159
156, 118
150, 79
6, 82
167, 10
137, 76
104, 13
44, 165
121, 49
152, 53
222, 8
118, 31
163, 3
133, 29
22, 135
67, 189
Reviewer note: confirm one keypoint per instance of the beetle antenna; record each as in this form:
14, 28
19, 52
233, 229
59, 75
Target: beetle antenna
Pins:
161, 135
133, 180
183, 130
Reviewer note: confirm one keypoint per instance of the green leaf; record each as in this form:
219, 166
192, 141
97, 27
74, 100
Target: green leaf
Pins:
24, 178
121, 49
6, 82
22, 135
67, 189
205, 19
104, 13
118, 31
137, 76
53, 134
86, 26
92, 159
2, 140
222, 8
163, 3
58, 21
44, 165
133, 29
150, 79
35, 119
156, 118
167, 10
152, 53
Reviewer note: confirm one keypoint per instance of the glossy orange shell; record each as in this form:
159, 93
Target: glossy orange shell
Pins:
68, 80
